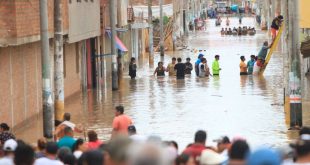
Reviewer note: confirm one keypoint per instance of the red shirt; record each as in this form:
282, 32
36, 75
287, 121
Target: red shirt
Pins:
121, 123
194, 150
94, 145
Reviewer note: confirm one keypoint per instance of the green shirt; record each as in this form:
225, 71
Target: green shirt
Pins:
216, 67
66, 141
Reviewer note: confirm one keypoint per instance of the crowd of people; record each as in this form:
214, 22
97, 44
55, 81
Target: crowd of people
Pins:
128, 147
238, 31
256, 63
179, 69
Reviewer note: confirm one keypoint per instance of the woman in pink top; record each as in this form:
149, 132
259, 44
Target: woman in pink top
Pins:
93, 143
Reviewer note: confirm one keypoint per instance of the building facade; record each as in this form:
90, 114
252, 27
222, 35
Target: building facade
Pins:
20, 55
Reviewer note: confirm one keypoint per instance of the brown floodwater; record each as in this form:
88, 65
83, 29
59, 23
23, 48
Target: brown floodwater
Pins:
248, 106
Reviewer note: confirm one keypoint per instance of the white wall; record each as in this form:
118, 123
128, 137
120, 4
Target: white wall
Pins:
84, 19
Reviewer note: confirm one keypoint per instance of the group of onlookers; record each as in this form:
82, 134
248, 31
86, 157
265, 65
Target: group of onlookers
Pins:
128, 147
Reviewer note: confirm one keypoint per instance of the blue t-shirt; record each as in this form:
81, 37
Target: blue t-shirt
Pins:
263, 52
66, 141
198, 62
251, 66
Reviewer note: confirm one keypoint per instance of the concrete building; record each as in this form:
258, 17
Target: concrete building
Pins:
20, 56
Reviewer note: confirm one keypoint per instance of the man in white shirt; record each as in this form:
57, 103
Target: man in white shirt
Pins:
8, 148
50, 159
59, 132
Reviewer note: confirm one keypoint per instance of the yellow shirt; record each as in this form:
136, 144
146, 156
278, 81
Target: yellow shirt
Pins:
243, 67
171, 70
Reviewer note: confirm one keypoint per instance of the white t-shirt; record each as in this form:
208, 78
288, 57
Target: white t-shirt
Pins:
256, 68
6, 161
45, 161
77, 154
69, 124
202, 69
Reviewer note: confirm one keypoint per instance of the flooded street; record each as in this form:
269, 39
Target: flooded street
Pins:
249, 106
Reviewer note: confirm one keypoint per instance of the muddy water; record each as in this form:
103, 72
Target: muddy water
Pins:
249, 106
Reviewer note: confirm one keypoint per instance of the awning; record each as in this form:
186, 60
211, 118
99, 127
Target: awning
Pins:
119, 44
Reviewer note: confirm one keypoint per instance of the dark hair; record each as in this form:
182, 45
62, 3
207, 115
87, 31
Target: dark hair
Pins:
67, 116
200, 136
41, 144
179, 59
217, 56
51, 148
280, 17
132, 129
304, 130
63, 152
182, 159
203, 59
93, 157
253, 56
266, 43
77, 143
302, 148
57, 123
242, 58
120, 109
24, 155
132, 59
92, 136
68, 130
173, 59
4, 126
69, 159
188, 59
175, 144
239, 150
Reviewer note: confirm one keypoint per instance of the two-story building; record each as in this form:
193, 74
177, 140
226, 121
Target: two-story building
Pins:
20, 55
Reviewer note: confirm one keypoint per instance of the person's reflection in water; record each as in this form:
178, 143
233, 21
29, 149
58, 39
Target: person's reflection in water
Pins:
261, 82
251, 81
180, 84
243, 80
216, 82
133, 85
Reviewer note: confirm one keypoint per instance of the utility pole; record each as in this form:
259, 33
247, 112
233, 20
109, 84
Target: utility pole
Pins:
48, 112
161, 23
185, 16
295, 70
113, 46
151, 47
58, 60
286, 57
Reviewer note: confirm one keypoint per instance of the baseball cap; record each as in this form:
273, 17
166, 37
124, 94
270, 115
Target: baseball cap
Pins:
10, 145
209, 157
223, 140
200, 55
